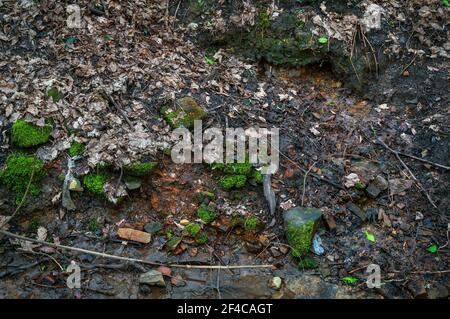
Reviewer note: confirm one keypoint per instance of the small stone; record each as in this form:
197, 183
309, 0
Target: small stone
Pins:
192, 252
134, 235
401, 205
152, 278
133, 183
289, 173
372, 214
75, 185
153, 228
438, 292
351, 180
417, 289
145, 289
373, 191
276, 283
329, 221
283, 249
356, 210
405, 73
253, 247
399, 185
275, 252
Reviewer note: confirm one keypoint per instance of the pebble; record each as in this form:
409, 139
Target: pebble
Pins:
134, 235
152, 278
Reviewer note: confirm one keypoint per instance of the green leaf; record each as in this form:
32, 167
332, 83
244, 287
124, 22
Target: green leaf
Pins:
323, 40
370, 237
432, 248
209, 60
349, 280
446, 3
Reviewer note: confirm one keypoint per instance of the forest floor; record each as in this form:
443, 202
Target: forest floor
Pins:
144, 56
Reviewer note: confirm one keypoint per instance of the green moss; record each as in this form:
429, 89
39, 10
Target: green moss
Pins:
299, 238
76, 149
360, 185
251, 223
308, 263
95, 182
233, 181
140, 169
257, 177
184, 113
93, 225
202, 239
17, 173
26, 135
237, 220
192, 229
206, 215
238, 168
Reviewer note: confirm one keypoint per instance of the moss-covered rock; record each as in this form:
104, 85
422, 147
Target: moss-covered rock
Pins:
192, 229
17, 173
184, 113
206, 215
300, 225
95, 183
140, 168
76, 149
232, 181
25, 134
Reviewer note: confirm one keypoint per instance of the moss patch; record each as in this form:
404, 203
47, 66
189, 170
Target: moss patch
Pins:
27, 135
233, 181
299, 238
96, 182
251, 223
140, 168
17, 173
192, 229
308, 263
76, 149
206, 215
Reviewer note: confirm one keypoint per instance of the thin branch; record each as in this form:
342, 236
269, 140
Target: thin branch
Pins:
304, 181
104, 255
408, 170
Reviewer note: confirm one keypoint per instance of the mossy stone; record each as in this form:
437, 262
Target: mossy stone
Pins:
184, 113
17, 173
300, 225
25, 134
251, 223
192, 229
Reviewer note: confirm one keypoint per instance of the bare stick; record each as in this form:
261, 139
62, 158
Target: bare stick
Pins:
423, 160
408, 170
104, 255
118, 108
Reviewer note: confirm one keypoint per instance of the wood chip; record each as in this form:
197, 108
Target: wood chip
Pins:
134, 235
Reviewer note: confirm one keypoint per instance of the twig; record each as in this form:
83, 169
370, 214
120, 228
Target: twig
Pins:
423, 160
118, 108
104, 255
21, 202
304, 181
408, 170
409, 64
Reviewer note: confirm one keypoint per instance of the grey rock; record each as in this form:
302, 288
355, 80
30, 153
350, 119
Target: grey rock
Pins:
152, 278
378, 185
357, 211
438, 292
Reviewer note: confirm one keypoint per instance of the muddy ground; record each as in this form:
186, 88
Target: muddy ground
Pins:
327, 129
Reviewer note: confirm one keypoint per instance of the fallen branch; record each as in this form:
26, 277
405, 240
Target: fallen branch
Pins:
419, 185
104, 255
423, 160
118, 108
